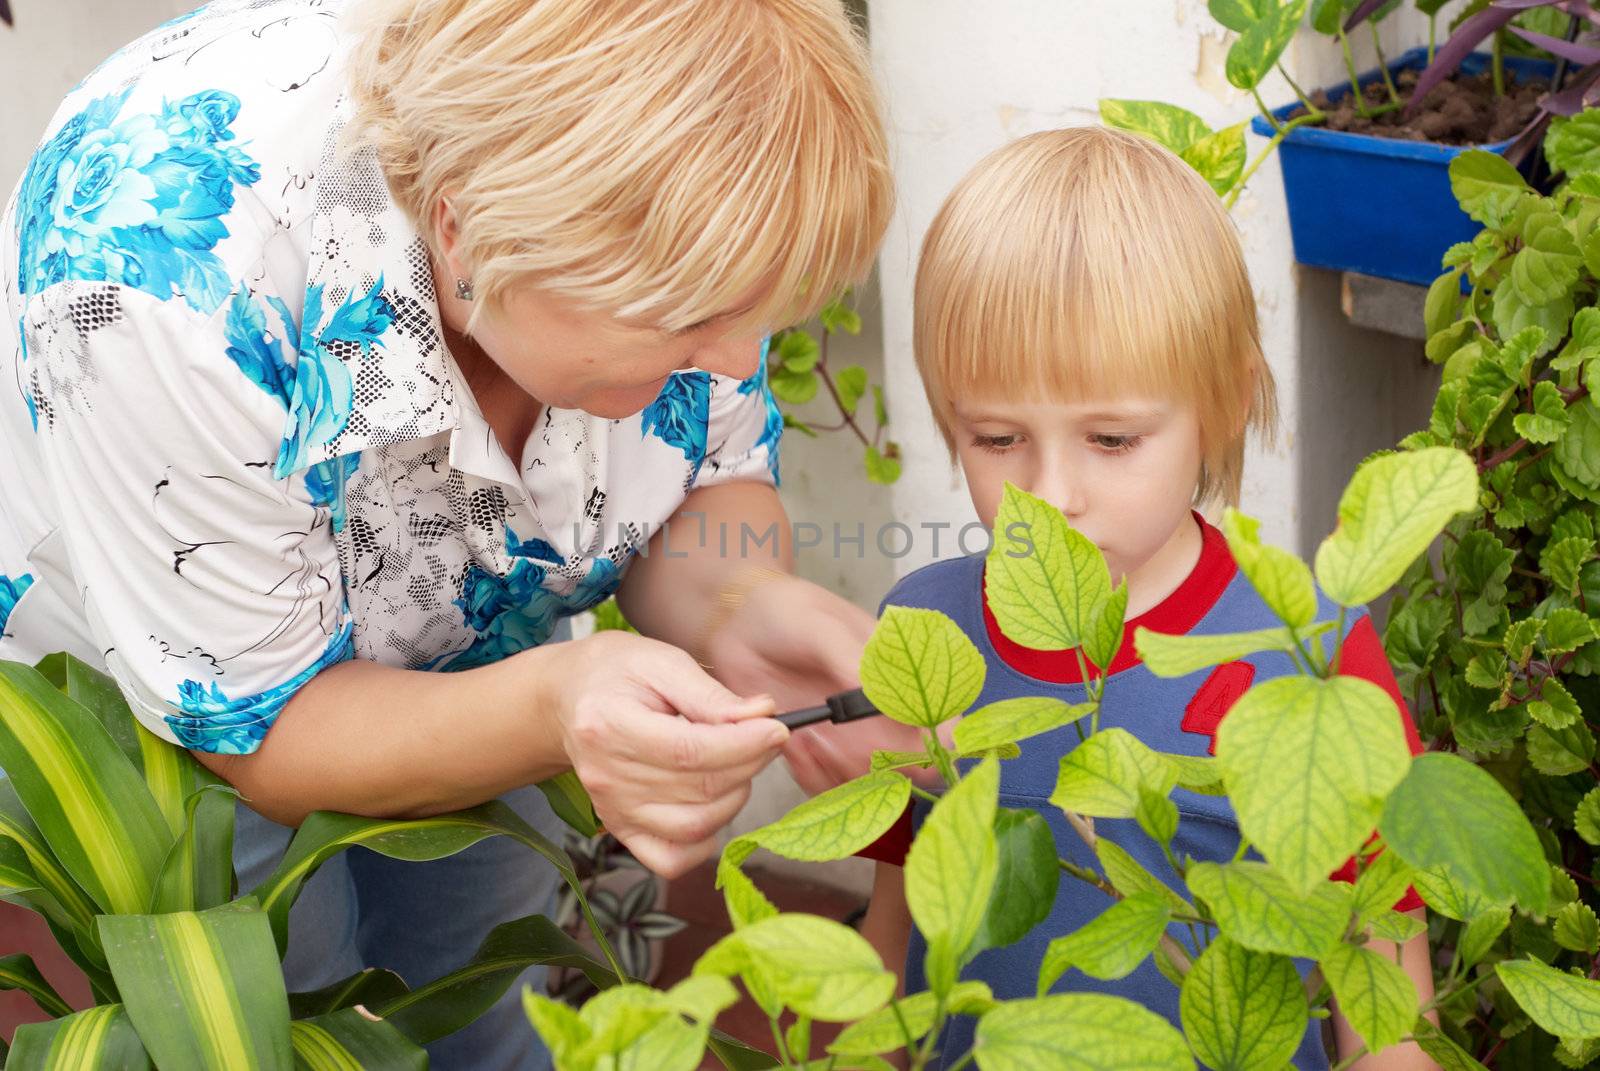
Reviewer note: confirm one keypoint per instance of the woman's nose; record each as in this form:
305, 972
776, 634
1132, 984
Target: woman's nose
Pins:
739, 358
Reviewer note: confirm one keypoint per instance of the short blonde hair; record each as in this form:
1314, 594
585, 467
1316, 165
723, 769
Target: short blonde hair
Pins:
1087, 263
654, 158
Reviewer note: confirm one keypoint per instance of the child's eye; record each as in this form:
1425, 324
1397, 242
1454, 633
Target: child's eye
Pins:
1116, 444
995, 444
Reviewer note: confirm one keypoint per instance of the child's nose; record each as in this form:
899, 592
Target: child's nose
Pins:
1064, 491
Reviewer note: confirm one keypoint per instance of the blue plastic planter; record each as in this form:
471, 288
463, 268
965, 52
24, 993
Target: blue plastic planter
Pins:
1379, 206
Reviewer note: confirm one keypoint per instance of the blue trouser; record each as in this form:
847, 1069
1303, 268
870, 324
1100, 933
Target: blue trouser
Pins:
420, 920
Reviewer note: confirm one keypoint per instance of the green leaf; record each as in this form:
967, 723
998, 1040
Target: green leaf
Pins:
1375, 996
1240, 15
1180, 655
1488, 188
1176, 128
1414, 631
1219, 157
1243, 1009
1562, 1004
1157, 815
1026, 880
798, 351
1578, 452
851, 382
557, 1025
1397, 927
1010, 720
451, 1001
1443, 1051
882, 1031
1379, 887
1549, 419
1112, 944
198, 871
880, 409
817, 967
1328, 15
1102, 777
570, 801
883, 468
793, 388
1045, 581
950, 871
1573, 144
1577, 928
96, 1039
1260, 45
1309, 762
1282, 580
1197, 773
1487, 846
1078, 1032
1513, 315
1566, 629
919, 668
1557, 710
1449, 896
1561, 562
1257, 908
1558, 752
1546, 269
17, 971
836, 316
348, 1041
1480, 934
1587, 818
1104, 638
1444, 298
90, 803
745, 902
61, 901
1392, 509
369, 986
1128, 877
839, 822
204, 989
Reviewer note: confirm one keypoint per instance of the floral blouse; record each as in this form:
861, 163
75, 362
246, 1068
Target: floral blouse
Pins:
234, 449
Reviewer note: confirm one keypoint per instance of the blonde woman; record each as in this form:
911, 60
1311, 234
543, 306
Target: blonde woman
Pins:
353, 354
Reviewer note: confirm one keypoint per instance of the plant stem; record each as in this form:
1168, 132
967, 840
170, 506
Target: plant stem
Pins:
1284, 131
1272, 120
1338, 642
1383, 64
1433, 29
1350, 68
964, 1061
783, 1047
1305, 101
1499, 66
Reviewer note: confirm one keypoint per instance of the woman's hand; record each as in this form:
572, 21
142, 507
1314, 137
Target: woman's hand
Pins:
662, 784
800, 643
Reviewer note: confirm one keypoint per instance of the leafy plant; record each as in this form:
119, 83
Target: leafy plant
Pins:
124, 844
1495, 638
1210, 925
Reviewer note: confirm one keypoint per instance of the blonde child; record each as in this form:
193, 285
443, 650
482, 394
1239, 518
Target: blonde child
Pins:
1085, 329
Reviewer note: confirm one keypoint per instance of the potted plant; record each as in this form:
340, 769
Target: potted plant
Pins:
1365, 162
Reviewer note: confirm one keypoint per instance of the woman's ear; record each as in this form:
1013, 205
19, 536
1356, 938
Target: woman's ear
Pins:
446, 236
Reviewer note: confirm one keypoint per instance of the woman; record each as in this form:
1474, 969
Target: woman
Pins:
354, 356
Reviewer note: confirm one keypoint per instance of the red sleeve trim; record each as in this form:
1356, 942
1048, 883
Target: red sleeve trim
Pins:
892, 847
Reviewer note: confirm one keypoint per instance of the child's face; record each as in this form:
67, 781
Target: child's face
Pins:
1123, 470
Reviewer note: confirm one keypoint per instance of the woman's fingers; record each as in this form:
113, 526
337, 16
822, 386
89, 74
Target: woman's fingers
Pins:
692, 692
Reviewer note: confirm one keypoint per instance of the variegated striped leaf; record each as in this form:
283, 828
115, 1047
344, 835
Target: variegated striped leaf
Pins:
101, 1038
66, 906
198, 871
370, 987
347, 1040
204, 989
18, 971
88, 801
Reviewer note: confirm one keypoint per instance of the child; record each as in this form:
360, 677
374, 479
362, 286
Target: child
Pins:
1085, 329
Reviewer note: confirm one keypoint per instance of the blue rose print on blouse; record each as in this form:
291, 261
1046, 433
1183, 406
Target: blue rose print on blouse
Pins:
772, 431
11, 589
236, 726
323, 392
137, 201
261, 355
679, 415
514, 612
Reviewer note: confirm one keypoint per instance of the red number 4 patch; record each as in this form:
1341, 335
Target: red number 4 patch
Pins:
1215, 698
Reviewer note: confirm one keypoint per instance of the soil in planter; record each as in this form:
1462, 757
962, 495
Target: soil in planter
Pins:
1461, 111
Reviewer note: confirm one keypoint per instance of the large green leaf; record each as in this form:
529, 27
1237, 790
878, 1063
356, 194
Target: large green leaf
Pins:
67, 907
1044, 580
1309, 762
571, 803
97, 1039
1487, 186
1168, 655
198, 872
1240, 15
370, 987
1174, 127
204, 989
17, 971
919, 668
1488, 846
1111, 944
89, 802
1547, 267
1219, 158
1026, 880
1375, 996
1103, 776
950, 871
1243, 1010
325, 834
1258, 910
886, 1030
815, 966
448, 1003
1562, 1004
1573, 145
1282, 580
1392, 509
1260, 46
1078, 1032
346, 1040
1010, 720
1128, 876
837, 823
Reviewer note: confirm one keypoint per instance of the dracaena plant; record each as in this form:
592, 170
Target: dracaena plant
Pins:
123, 843
1225, 932
1495, 638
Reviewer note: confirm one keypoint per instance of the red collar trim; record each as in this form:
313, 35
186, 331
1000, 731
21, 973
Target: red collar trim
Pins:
1176, 614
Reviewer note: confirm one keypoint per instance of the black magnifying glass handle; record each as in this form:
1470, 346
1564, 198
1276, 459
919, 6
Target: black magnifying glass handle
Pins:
843, 707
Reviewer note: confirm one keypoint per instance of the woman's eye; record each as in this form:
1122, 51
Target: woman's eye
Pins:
994, 444
1115, 444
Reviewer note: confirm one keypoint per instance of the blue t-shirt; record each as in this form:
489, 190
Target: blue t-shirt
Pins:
1177, 715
